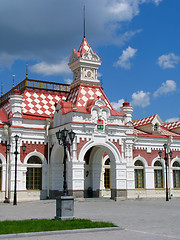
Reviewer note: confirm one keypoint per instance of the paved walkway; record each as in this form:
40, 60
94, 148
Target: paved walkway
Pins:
138, 219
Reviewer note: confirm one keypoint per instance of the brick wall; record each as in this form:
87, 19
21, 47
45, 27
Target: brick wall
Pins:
117, 146
80, 145
30, 147
3, 149
153, 154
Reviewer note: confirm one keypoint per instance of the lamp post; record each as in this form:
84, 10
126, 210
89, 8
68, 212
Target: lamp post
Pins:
15, 178
166, 153
63, 136
8, 147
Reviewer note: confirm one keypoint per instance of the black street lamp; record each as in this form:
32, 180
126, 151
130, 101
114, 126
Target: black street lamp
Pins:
166, 163
8, 147
63, 137
15, 179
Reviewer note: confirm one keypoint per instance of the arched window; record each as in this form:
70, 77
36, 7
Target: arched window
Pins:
158, 174
176, 174
0, 174
34, 174
139, 174
107, 174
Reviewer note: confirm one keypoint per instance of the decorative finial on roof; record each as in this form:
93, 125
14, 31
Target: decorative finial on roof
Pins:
13, 75
16, 92
84, 22
26, 71
126, 104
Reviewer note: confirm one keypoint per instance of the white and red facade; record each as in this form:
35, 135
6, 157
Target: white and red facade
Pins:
102, 133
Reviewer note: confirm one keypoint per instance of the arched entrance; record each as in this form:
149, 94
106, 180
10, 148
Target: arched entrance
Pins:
100, 169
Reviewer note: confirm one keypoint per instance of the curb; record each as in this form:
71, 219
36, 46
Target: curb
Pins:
86, 230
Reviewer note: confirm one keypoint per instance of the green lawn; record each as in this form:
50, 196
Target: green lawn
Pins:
40, 225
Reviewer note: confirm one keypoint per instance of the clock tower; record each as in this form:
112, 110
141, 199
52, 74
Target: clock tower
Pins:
84, 64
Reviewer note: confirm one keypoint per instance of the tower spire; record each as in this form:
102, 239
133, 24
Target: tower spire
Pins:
26, 71
13, 75
84, 22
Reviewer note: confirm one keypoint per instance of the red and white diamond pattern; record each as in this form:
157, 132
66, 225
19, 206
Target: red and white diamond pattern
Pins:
42, 104
72, 97
172, 125
85, 93
144, 121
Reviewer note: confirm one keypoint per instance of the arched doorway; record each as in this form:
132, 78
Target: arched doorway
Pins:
100, 170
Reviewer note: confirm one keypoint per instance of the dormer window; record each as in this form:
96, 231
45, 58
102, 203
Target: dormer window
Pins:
156, 127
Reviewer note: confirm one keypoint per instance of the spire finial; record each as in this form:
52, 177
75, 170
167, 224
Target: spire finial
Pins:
26, 71
84, 21
13, 75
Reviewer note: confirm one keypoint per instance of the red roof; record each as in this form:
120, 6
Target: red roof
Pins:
16, 92
40, 103
172, 125
144, 121
81, 97
126, 104
116, 113
3, 116
84, 47
162, 133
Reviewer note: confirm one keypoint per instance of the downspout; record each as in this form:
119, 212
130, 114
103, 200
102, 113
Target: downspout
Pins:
48, 123
7, 182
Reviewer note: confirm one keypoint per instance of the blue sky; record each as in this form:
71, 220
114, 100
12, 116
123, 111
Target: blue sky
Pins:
137, 40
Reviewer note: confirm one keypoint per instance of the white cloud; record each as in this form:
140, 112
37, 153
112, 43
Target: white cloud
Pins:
175, 119
50, 69
168, 61
68, 81
141, 99
49, 33
125, 37
157, 2
167, 87
123, 10
124, 59
117, 105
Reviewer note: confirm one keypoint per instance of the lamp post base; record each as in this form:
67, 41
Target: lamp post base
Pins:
65, 207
